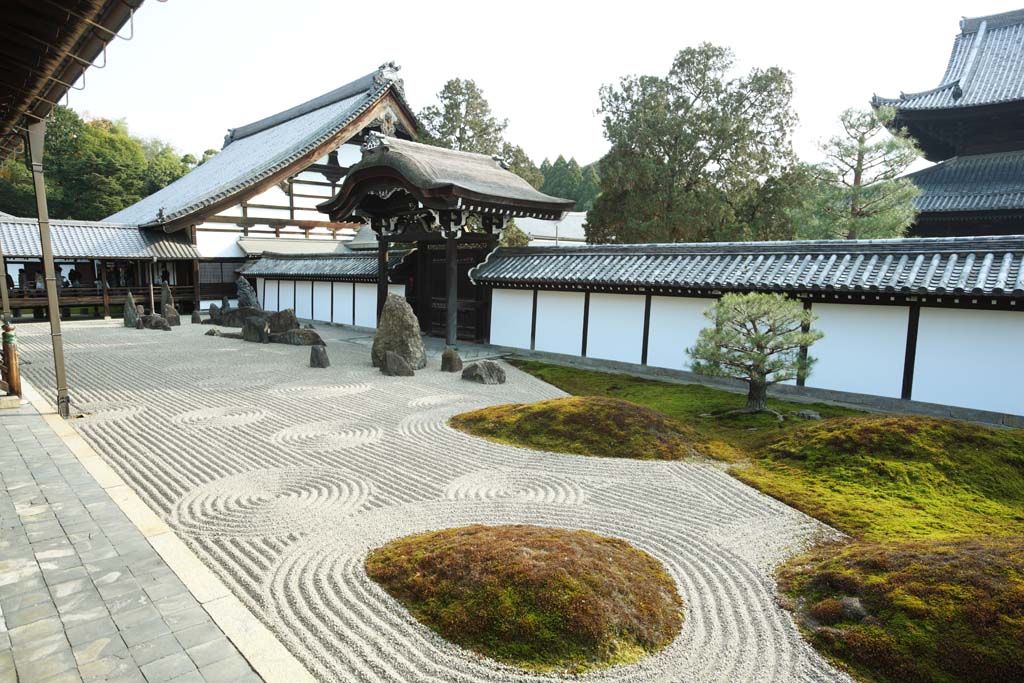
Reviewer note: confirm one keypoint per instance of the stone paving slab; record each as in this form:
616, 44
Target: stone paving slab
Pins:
83, 595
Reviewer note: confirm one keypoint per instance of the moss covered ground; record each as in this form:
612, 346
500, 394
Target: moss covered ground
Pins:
935, 509
537, 598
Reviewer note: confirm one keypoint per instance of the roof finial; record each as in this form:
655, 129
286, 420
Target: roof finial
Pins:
374, 140
387, 74
502, 161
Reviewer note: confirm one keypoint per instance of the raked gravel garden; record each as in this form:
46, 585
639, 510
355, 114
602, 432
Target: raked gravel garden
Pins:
283, 478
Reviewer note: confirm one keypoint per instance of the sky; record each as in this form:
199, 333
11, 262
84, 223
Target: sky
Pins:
198, 67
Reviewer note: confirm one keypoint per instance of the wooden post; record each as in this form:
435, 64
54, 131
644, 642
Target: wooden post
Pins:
12, 373
5, 296
382, 274
452, 283
423, 294
196, 300
152, 298
106, 291
36, 139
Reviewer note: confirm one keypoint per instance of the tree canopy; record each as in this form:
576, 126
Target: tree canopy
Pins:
697, 155
93, 168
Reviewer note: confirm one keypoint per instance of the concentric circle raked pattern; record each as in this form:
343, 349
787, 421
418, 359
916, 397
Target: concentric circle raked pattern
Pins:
232, 416
526, 486
275, 502
436, 400
106, 411
312, 391
326, 436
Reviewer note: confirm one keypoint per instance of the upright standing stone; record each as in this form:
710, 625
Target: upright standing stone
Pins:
450, 361
318, 357
246, 294
197, 318
131, 314
214, 318
225, 304
398, 331
171, 315
166, 298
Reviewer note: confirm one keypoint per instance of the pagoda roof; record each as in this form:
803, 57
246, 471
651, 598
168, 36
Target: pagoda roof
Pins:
986, 66
979, 182
441, 178
261, 153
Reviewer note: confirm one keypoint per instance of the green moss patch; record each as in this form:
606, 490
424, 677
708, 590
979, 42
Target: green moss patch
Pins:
587, 425
937, 611
538, 598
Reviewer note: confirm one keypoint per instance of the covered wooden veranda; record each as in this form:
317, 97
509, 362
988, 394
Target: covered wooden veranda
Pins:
430, 198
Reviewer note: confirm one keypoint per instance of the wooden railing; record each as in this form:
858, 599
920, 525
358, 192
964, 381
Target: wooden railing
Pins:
93, 296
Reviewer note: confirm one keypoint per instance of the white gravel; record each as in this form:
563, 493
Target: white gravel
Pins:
282, 477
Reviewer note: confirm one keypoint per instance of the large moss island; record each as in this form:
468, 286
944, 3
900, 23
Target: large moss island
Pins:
538, 598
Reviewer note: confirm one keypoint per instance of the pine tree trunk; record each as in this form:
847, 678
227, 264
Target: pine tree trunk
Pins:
757, 395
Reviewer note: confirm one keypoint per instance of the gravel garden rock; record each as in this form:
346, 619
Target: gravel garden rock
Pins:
484, 372
398, 331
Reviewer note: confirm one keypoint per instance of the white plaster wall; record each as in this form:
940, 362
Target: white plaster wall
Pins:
863, 348
322, 301
270, 295
342, 302
366, 304
511, 317
559, 322
971, 359
286, 295
395, 289
218, 244
615, 328
304, 299
675, 324
260, 292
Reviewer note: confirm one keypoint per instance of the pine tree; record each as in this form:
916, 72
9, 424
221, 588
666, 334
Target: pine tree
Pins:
462, 120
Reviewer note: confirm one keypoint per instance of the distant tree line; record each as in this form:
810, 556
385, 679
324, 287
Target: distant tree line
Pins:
93, 168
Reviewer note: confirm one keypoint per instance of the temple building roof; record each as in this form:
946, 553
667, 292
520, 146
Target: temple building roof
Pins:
986, 66
350, 267
254, 247
92, 240
258, 154
981, 182
977, 265
441, 178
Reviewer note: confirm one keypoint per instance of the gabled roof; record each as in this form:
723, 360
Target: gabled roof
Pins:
981, 182
350, 267
973, 265
92, 240
986, 66
258, 151
441, 178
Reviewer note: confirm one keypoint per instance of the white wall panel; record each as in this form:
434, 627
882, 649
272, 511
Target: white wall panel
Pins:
559, 322
511, 317
675, 324
219, 243
366, 304
863, 348
286, 297
270, 295
395, 289
342, 302
322, 301
615, 327
971, 359
304, 299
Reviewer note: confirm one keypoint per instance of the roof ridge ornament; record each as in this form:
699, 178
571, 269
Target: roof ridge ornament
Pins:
374, 140
502, 161
387, 73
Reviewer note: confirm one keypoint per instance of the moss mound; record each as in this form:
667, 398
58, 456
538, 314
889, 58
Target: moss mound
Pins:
938, 611
542, 599
898, 477
586, 425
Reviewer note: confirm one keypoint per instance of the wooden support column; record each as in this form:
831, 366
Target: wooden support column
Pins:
5, 296
451, 258
195, 272
104, 289
423, 294
382, 274
150, 269
36, 139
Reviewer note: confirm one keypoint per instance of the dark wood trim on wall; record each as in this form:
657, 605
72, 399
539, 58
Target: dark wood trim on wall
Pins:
586, 323
801, 378
279, 295
295, 294
353, 303
263, 300
332, 302
647, 328
909, 359
533, 323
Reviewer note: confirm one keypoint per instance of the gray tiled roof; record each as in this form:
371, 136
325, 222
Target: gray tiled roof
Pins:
258, 150
975, 265
569, 229
254, 247
986, 66
88, 240
983, 182
355, 266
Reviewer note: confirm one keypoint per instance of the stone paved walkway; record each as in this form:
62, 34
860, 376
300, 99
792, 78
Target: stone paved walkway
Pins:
83, 595
282, 477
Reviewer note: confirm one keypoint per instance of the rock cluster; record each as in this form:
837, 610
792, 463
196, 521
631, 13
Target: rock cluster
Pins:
398, 331
297, 337
450, 361
246, 294
171, 315
155, 321
484, 372
254, 329
166, 298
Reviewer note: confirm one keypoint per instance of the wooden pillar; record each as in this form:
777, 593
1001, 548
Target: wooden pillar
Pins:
5, 296
36, 139
452, 284
152, 299
423, 293
195, 272
382, 274
106, 292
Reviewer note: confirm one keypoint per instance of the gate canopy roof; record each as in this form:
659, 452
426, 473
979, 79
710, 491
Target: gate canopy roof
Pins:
438, 178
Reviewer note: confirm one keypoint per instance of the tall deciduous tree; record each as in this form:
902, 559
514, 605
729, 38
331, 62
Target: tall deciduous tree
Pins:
694, 153
860, 193
757, 338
